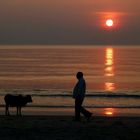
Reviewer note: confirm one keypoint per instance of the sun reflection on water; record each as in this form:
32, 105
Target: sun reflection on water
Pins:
109, 56
109, 86
109, 68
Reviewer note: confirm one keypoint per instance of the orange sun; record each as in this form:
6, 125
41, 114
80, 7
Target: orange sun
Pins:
109, 22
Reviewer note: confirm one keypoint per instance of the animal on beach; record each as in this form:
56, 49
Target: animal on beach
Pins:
17, 101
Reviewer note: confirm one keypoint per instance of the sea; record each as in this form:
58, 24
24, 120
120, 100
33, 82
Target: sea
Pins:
47, 73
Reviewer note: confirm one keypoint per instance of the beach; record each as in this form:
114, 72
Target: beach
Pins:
69, 70
63, 127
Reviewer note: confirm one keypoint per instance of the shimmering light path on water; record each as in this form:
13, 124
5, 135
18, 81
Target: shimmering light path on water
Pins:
106, 68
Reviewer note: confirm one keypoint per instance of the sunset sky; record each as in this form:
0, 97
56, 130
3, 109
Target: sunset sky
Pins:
69, 22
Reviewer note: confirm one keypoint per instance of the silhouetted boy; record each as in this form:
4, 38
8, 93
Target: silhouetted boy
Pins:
79, 95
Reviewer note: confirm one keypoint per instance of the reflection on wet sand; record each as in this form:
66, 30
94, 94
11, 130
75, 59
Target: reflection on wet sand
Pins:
109, 111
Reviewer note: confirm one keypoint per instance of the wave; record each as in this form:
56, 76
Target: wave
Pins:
90, 95
94, 95
64, 106
69, 106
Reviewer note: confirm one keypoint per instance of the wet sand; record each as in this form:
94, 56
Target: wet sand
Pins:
31, 127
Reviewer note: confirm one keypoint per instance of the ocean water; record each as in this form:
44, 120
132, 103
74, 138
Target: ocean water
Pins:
112, 74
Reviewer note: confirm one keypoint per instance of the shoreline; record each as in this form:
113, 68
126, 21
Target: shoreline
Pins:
97, 112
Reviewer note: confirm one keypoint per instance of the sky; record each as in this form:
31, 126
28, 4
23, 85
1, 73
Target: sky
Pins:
69, 22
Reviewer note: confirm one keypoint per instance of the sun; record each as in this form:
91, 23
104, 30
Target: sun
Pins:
109, 22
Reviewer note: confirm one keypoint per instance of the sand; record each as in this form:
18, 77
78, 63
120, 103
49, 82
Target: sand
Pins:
32, 127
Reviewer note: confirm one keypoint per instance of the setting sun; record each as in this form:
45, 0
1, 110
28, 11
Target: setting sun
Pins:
109, 22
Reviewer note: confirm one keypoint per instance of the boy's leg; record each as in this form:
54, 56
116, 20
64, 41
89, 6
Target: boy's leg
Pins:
77, 109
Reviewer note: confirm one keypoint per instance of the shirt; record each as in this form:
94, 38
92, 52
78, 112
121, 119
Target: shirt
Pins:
79, 89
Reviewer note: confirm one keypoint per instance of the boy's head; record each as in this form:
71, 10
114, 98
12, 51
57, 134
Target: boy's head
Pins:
79, 75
